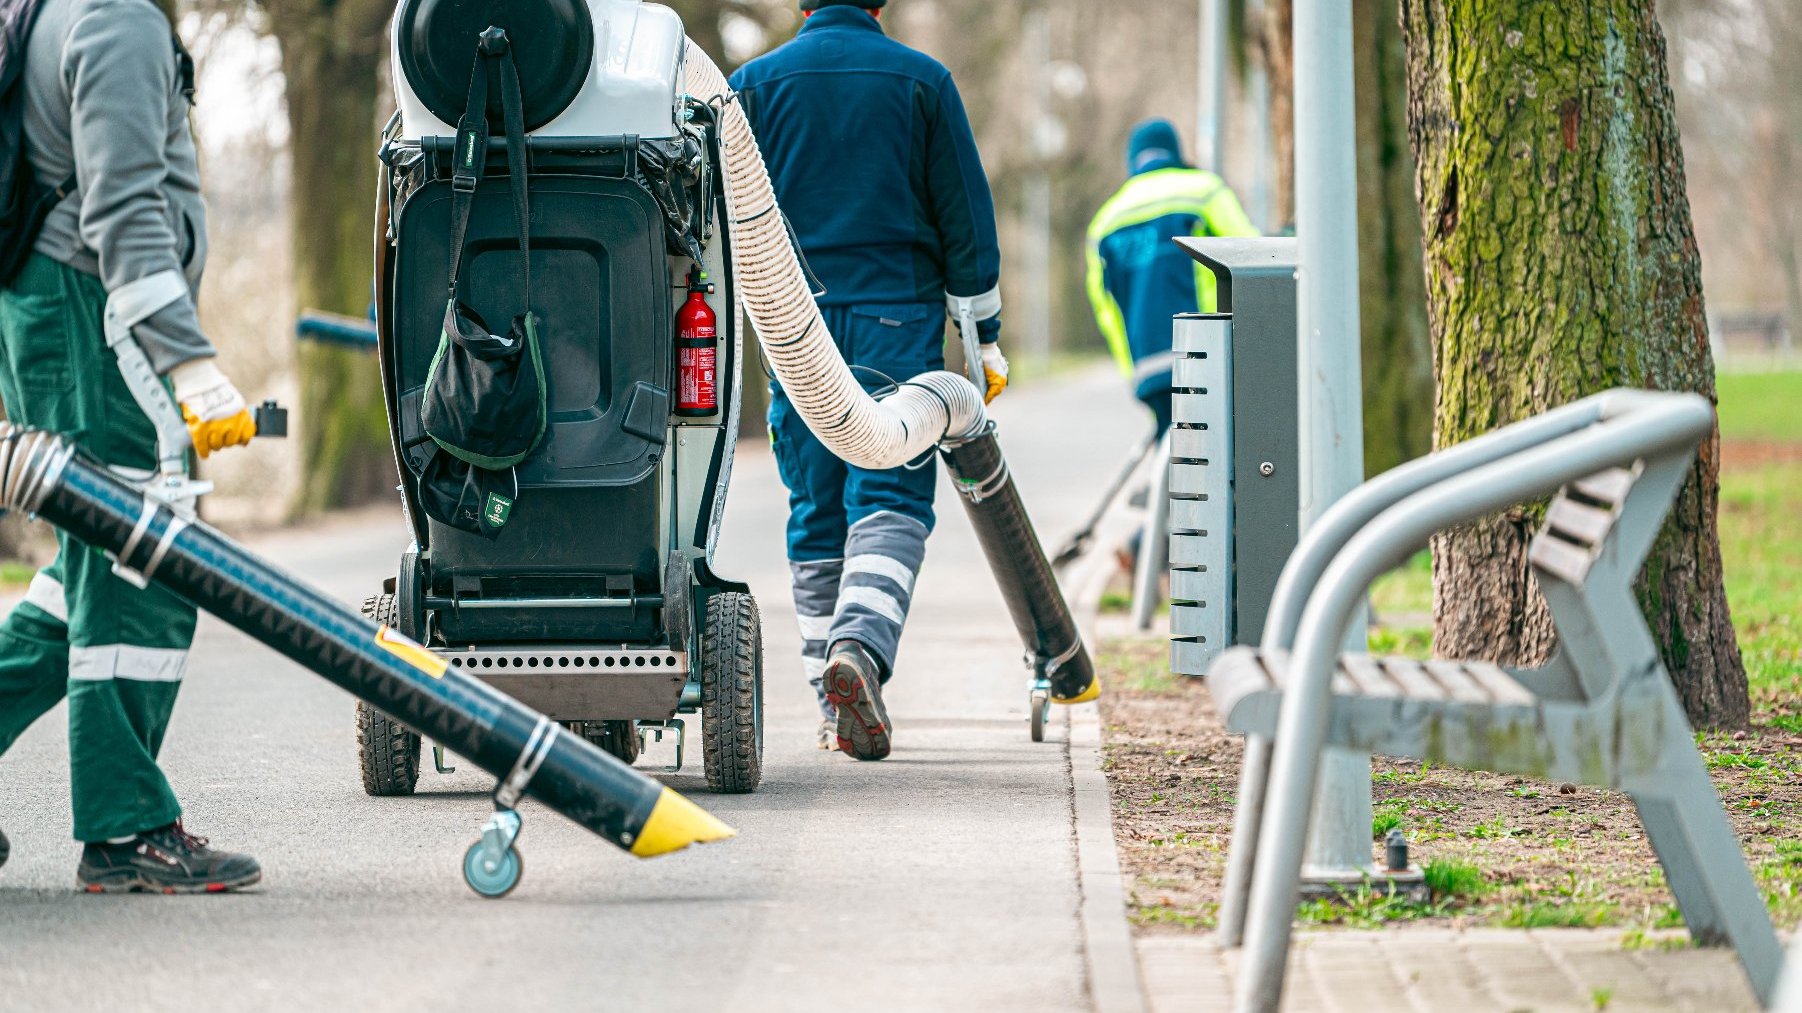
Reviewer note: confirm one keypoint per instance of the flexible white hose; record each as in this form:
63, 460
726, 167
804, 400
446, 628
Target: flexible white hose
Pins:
858, 428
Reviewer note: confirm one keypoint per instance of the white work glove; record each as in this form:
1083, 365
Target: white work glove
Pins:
216, 414
994, 369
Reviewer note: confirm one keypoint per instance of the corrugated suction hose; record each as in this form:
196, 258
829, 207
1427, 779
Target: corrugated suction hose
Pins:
925, 411
855, 426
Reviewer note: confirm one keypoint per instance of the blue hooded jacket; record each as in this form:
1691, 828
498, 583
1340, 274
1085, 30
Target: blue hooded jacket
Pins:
1138, 278
874, 164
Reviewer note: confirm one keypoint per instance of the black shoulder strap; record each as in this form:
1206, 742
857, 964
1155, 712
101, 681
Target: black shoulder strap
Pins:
513, 119
494, 65
468, 160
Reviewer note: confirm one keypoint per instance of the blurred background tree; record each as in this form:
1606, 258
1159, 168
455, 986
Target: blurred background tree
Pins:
332, 53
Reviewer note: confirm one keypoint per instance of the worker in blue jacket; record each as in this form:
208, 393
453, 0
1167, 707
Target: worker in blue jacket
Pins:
1138, 277
875, 165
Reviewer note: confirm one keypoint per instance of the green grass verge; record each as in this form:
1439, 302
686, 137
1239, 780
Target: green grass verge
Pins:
1452, 878
1760, 406
1761, 554
1407, 589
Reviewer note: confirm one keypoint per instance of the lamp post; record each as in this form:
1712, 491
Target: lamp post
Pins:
1210, 106
1331, 394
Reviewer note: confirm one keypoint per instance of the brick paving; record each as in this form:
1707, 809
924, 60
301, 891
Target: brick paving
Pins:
1473, 971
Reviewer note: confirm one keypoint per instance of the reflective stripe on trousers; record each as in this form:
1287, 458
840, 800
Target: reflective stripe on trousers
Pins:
871, 592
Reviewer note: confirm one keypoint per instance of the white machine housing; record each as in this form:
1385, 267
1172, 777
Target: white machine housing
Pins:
633, 83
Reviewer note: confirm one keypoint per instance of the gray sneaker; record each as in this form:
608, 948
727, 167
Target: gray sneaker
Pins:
829, 733
854, 686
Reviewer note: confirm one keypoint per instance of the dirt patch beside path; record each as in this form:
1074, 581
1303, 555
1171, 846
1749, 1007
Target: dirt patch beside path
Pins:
1517, 852
1741, 455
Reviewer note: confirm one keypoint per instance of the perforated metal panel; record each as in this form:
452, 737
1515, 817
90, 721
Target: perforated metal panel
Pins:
1233, 469
1201, 494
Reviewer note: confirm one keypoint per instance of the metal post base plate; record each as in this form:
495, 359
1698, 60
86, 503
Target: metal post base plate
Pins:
1333, 884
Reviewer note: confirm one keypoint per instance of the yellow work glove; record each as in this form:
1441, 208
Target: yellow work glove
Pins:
216, 414
994, 370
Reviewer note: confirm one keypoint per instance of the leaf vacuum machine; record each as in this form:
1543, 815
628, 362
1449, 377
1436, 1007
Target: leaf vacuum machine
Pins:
563, 482
581, 169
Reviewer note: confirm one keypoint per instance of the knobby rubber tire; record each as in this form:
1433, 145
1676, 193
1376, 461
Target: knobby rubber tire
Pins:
387, 749
731, 693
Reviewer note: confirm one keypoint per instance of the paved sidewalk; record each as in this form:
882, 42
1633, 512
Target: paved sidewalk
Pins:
1472, 971
945, 878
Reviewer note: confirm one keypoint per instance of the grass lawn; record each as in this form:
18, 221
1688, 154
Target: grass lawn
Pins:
1500, 850
1760, 406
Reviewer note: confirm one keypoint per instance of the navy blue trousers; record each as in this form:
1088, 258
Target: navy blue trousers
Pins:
857, 537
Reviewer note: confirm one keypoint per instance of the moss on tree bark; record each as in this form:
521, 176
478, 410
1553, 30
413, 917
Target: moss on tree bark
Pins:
1560, 261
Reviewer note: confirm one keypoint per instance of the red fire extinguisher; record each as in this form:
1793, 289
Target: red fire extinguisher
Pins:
697, 352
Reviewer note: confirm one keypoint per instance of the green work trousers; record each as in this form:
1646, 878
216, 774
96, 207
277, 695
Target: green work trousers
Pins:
117, 651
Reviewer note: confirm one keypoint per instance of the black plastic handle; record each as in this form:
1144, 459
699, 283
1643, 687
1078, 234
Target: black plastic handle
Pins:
272, 420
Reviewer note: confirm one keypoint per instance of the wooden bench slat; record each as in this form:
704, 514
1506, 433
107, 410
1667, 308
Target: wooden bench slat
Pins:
1366, 676
1414, 682
1560, 559
1579, 522
1609, 486
1500, 686
1457, 682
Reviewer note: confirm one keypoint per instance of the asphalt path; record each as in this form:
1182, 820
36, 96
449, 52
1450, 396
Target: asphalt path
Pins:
943, 878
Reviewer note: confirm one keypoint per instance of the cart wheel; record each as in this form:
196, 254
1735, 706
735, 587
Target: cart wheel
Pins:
1040, 702
617, 737
732, 693
388, 750
489, 876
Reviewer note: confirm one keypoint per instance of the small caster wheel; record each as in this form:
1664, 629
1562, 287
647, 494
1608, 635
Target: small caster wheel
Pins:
491, 876
1040, 703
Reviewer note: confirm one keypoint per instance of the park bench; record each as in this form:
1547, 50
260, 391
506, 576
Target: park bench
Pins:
1602, 712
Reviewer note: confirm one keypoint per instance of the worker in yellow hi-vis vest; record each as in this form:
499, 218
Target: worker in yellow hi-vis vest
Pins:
1138, 278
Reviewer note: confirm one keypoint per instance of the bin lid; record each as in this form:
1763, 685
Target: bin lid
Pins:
553, 47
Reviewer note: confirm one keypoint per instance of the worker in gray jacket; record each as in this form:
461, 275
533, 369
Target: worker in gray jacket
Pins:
107, 97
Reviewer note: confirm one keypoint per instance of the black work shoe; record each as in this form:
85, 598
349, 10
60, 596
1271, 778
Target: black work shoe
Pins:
169, 860
854, 686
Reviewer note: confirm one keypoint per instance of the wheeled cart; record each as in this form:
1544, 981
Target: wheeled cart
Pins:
596, 602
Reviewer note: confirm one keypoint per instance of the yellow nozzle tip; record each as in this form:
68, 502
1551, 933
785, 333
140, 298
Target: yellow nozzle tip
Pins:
1093, 692
674, 824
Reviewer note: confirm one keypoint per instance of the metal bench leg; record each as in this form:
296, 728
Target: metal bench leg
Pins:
1282, 837
1248, 813
1154, 543
1702, 858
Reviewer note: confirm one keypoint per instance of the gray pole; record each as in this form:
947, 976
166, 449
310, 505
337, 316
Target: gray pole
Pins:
1210, 111
1331, 395
1037, 193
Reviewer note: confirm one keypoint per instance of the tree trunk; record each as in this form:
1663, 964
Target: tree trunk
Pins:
1276, 42
1397, 353
331, 59
1560, 262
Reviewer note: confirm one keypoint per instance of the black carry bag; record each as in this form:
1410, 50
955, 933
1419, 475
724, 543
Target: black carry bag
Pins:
485, 394
25, 200
466, 497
